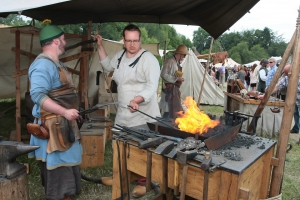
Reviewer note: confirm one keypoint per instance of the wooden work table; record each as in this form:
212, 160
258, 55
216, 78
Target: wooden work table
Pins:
246, 179
268, 125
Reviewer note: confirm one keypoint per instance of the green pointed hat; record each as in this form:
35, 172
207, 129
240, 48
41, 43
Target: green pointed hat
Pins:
49, 32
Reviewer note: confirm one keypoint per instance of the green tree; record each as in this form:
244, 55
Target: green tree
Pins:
201, 40
240, 53
13, 20
257, 53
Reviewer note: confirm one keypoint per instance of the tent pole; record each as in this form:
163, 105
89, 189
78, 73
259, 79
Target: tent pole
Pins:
277, 175
18, 91
205, 72
29, 62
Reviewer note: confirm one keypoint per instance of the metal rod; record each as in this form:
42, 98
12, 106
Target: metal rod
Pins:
153, 118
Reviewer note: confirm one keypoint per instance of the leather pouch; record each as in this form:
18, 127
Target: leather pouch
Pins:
38, 131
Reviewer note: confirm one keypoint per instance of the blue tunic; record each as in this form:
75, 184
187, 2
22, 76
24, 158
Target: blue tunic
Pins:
44, 77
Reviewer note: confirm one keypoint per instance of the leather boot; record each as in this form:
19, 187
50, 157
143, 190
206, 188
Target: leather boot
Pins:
66, 198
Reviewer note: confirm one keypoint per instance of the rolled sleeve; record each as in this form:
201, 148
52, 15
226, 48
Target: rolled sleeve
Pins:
107, 64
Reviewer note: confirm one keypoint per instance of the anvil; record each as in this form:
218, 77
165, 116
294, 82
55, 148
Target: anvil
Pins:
9, 151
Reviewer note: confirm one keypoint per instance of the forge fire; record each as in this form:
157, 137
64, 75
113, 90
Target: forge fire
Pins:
194, 120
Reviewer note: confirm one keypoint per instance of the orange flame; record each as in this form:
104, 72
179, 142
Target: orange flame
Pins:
194, 120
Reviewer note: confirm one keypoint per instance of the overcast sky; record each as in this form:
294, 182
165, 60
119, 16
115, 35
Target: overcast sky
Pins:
278, 15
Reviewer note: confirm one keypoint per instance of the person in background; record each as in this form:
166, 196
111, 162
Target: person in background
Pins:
171, 75
256, 70
262, 76
241, 73
136, 72
217, 74
61, 153
222, 74
284, 83
231, 75
247, 77
253, 78
272, 71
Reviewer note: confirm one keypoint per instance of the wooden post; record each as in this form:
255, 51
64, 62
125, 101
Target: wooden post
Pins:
288, 112
273, 83
16, 188
118, 164
18, 89
205, 72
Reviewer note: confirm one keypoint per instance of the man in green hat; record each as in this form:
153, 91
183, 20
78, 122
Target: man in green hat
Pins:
55, 108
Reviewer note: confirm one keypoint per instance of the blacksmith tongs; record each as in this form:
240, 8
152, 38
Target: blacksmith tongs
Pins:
96, 107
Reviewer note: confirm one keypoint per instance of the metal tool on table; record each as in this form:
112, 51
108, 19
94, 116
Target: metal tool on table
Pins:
182, 158
205, 166
157, 119
144, 142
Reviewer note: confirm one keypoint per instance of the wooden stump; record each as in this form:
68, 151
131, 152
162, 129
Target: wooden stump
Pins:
14, 189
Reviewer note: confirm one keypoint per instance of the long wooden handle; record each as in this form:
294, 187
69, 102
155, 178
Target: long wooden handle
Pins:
176, 178
183, 183
148, 171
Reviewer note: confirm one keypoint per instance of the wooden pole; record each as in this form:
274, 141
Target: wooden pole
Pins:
288, 112
205, 72
29, 62
273, 83
18, 89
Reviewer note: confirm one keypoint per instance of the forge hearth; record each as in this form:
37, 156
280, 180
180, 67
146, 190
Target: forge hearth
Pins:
213, 139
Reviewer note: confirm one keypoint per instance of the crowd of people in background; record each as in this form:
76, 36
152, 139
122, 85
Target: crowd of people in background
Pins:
256, 77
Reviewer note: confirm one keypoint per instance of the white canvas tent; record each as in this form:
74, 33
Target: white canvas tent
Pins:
193, 73
229, 63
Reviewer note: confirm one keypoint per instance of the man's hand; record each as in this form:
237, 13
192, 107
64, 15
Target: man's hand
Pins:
180, 79
134, 105
99, 40
260, 96
71, 114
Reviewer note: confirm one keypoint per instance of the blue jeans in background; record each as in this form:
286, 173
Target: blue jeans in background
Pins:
296, 119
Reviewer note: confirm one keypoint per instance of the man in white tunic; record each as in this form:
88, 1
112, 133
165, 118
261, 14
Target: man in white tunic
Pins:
136, 72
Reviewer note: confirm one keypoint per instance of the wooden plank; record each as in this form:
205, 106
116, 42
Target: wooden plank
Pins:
267, 169
252, 178
244, 193
274, 162
82, 54
225, 183
18, 87
116, 189
253, 101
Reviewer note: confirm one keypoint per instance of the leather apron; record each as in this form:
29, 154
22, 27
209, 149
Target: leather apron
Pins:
63, 133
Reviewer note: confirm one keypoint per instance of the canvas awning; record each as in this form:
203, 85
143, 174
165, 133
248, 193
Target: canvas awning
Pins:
214, 16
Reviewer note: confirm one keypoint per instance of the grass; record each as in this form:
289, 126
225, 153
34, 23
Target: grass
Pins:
93, 191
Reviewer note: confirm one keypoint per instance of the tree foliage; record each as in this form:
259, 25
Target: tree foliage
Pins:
245, 46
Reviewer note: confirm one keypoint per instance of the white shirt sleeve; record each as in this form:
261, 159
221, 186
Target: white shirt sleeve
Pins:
262, 74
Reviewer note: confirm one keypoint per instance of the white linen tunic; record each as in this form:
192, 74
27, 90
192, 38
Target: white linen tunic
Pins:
139, 80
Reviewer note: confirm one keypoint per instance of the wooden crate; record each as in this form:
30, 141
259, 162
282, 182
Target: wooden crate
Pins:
93, 143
